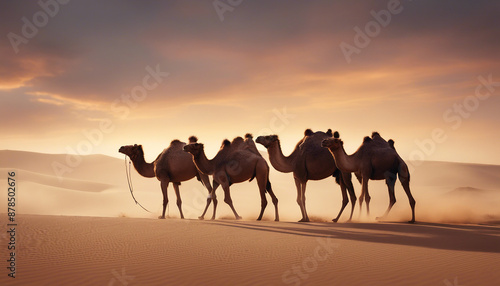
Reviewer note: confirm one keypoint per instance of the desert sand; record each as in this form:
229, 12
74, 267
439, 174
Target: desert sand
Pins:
63, 250
84, 229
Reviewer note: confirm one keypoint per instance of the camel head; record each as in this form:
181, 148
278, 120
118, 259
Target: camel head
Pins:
332, 143
131, 150
193, 147
268, 140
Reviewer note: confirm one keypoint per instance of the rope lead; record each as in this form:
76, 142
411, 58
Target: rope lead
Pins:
129, 181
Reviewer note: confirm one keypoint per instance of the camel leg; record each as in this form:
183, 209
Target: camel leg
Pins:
304, 200
206, 182
179, 200
274, 199
390, 180
164, 186
264, 184
345, 199
228, 200
211, 197
364, 195
347, 178
298, 185
301, 199
214, 199
361, 197
367, 200
405, 181
262, 190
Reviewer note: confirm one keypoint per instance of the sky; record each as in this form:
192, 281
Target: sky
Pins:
86, 77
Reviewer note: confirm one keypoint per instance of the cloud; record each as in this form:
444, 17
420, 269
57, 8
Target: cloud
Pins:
29, 115
264, 55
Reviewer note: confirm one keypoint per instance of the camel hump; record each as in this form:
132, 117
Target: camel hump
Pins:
249, 139
226, 143
175, 141
367, 139
329, 132
308, 132
391, 143
381, 141
240, 144
193, 139
237, 143
250, 146
336, 134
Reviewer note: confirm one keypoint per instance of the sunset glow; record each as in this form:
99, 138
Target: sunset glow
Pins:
159, 70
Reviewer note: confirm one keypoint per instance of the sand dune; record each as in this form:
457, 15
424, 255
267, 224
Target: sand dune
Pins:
469, 191
124, 251
453, 175
97, 187
67, 183
94, 168
85, 229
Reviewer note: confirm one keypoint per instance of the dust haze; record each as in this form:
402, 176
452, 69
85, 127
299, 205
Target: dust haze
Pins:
445, 193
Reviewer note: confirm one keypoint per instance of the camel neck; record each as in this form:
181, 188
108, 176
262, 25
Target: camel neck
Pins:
143, 168
343, 161
279, 161
203, 164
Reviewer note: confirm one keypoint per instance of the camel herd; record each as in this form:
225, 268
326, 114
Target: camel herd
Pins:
316, 156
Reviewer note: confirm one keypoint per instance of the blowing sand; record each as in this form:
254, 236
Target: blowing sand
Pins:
83, 228
61, 250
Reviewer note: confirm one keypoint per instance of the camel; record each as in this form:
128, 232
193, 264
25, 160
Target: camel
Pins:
375, 159
309, 161
236, 162
172, 165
